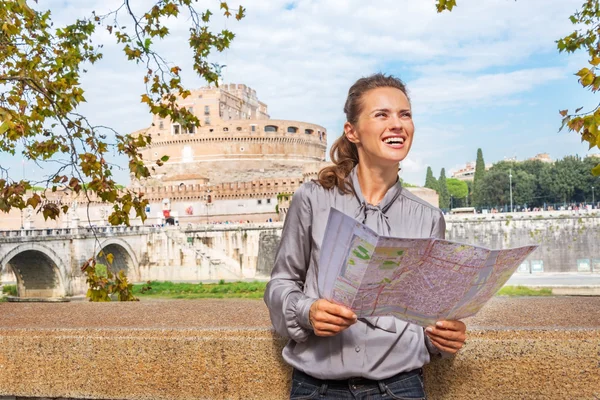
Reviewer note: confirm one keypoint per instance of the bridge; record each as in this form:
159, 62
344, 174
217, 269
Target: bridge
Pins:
47, 262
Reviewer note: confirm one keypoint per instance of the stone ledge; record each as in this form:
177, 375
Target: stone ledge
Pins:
225, 350
246, 364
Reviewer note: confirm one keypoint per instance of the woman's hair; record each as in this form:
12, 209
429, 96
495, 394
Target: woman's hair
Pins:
344, 153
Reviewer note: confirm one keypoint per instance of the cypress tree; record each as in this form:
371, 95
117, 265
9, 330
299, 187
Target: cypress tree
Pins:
430, 181
478, 179
443, 192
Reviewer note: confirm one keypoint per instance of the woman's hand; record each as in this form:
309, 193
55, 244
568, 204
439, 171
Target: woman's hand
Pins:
448, 336
329, 319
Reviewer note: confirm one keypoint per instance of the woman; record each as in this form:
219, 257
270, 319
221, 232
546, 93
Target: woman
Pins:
333, 354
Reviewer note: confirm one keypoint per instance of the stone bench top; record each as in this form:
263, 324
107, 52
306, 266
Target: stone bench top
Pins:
540, 313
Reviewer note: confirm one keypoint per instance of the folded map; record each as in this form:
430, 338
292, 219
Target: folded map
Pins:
416, 280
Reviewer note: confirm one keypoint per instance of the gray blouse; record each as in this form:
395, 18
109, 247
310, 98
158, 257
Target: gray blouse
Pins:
374, 348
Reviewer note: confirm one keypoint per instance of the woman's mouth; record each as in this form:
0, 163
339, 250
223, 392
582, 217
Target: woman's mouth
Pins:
394, 142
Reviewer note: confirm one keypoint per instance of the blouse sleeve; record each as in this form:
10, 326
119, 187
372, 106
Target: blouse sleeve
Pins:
438, 228
284, 296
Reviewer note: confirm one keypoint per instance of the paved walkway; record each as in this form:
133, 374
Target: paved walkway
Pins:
556, 312
555, 279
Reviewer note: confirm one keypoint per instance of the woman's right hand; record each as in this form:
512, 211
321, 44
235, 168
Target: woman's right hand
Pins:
329, 319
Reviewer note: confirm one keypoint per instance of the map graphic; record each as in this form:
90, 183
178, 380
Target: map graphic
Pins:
416, 280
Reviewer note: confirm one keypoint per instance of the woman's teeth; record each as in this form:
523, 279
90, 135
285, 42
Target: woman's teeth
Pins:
394, 141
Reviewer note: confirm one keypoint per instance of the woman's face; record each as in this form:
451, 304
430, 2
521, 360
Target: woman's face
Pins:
384, 130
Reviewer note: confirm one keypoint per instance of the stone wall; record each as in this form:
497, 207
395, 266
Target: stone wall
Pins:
568, 241
224, 349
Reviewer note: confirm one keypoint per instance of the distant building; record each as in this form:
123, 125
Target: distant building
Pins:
468, 172
543, 157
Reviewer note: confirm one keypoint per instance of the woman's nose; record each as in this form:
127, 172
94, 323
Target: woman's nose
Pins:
395, 122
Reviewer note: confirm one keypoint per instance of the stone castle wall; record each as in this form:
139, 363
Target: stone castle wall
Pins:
251, 149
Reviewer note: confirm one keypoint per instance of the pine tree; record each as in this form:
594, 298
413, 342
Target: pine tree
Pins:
478, 179
430, 181
443, 190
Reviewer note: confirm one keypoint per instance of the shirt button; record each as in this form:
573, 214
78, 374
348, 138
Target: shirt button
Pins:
357, 349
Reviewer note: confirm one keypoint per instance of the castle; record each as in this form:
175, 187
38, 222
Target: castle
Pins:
232, 167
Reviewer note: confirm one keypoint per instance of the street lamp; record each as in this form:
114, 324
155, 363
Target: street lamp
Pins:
593, 199
510, 184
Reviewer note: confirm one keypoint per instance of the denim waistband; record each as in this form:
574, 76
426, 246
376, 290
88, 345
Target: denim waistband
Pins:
345, 383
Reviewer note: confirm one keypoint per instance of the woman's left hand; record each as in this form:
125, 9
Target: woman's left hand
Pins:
448, 336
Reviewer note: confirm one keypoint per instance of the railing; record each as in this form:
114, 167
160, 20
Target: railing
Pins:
231, 226
86, 231
557, 214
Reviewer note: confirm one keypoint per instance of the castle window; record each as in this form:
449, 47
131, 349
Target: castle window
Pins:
206, 110
161, 125
268, 201
292, 129
207, 121
239, 128
225, 129
241, 149
259, 202
270, 128
211, 130
253, 128
176, 129
191, 110
309, 131
191, 129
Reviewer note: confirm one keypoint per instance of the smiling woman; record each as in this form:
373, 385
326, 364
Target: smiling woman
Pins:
334, 354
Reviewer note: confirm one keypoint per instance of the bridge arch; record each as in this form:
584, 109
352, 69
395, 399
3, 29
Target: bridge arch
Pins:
124, 257
38, 270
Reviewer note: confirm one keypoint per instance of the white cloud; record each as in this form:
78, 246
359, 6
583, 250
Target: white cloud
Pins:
460, 90
302, 61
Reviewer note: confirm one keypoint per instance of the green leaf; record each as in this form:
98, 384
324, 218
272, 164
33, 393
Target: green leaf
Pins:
164, 158
596, 170
4, 127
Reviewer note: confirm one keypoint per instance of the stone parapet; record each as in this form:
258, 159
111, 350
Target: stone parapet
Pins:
225, 350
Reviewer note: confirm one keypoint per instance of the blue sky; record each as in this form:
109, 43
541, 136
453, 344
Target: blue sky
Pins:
486, 75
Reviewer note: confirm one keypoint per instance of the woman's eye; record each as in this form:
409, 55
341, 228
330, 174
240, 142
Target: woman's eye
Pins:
380, 115
407, 115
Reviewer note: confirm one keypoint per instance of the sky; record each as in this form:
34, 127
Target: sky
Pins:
487, 75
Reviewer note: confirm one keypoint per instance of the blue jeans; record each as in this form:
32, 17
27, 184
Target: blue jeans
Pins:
404, 386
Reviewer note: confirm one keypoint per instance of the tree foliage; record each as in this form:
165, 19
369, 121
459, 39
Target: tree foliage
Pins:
457, 188
430, 181
443, 190
40, 71
539, 184
478, 177
585, 37
102, 282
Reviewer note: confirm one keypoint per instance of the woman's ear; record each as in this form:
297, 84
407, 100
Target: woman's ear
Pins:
350, 133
